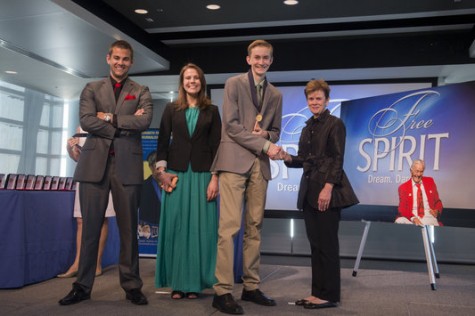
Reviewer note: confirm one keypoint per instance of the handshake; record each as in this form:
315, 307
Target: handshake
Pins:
274, 152
277, 153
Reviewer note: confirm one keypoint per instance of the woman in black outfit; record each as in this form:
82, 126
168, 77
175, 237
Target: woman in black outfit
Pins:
324, 191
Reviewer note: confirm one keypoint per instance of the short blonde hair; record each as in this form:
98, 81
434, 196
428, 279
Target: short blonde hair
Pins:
260, 43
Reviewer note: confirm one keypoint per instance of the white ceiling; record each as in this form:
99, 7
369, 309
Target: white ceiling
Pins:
57, 46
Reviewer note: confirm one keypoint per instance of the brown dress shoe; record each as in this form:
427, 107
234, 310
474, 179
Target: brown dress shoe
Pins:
256, 296
226, 304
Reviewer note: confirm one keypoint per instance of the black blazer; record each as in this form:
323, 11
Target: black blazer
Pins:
321, 152
179, 148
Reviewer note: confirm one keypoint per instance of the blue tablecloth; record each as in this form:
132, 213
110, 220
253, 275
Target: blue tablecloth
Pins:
38, 236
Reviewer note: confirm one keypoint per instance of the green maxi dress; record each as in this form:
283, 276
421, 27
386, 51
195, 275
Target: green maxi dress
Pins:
188, 233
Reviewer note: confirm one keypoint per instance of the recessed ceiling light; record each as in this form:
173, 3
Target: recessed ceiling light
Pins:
213, 7
141, 11
291, 2
11, 72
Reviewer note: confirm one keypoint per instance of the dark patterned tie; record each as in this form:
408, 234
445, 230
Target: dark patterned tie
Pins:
420, 204
259, 96
117, 88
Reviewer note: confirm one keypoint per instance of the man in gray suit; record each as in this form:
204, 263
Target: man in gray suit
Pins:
114, 111
252, 115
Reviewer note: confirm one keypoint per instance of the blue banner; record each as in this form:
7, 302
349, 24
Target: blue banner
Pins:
150, 199
386, 133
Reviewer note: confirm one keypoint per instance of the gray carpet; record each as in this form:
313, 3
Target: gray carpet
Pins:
380, 288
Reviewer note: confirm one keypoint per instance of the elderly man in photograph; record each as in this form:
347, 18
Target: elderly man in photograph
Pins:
419, 201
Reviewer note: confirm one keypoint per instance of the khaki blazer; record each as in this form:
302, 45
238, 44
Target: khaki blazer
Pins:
239, 147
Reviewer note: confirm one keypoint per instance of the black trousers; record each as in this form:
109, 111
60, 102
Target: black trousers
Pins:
322, 233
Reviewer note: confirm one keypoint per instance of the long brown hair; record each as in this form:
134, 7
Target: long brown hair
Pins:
203, 100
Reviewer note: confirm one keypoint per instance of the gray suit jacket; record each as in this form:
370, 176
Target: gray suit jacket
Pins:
239, 147
96, 97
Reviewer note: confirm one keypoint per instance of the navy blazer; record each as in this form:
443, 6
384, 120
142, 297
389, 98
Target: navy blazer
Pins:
179, 148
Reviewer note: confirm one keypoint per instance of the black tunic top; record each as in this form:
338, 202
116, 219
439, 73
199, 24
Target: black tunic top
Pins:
321, 155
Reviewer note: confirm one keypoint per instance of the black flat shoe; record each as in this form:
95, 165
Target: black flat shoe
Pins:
226, 304
136, 297
256, 296
75, 296
310, 305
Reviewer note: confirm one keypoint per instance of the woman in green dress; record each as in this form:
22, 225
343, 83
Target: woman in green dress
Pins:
190, 132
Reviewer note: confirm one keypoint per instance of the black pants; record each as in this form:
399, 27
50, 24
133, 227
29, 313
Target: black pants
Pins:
322, 233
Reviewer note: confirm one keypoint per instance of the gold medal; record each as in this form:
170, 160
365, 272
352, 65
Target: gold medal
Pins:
258, 117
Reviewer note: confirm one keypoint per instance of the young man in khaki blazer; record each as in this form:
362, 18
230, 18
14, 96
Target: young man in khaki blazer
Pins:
252, 115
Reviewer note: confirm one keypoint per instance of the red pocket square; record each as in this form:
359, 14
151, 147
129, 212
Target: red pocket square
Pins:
130, 97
